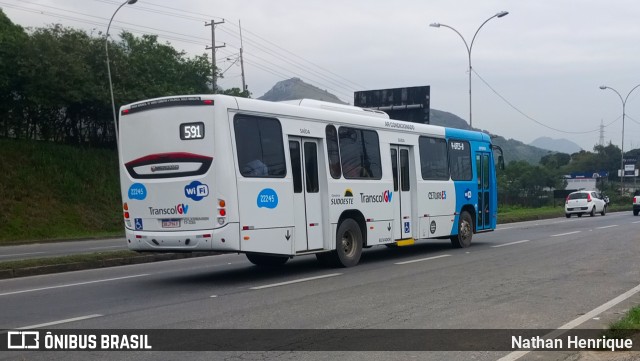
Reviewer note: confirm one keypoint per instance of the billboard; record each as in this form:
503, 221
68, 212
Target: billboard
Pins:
409, 104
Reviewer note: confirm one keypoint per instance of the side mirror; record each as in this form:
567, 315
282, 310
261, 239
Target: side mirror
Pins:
501, 162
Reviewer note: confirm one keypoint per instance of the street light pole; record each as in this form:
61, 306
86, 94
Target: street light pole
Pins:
624, 105
106, 48
469, 48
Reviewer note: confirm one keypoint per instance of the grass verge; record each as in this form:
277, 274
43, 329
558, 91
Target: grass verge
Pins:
627, 326
518, 214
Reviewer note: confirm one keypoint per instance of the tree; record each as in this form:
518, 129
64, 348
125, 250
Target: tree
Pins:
12, 42
555, 160
236, 92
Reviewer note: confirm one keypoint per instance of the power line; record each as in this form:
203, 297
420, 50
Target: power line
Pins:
257, 44
91, 22
534, 120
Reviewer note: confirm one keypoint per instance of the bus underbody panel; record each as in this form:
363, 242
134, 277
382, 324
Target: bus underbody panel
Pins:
223, 239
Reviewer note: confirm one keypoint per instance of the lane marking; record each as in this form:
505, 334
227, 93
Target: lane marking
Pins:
565, 234
509, 244
19, 254
40, 325
636, 222
577, 322
423, 259
603, 227
295, 281
502, 228
72, 284
105, 247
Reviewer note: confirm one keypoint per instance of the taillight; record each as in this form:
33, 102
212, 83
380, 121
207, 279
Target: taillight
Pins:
567, 200
222, 211
635, 199
588, 197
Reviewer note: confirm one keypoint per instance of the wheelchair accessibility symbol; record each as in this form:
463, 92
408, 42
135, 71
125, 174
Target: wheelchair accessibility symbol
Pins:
407, 227
138, 222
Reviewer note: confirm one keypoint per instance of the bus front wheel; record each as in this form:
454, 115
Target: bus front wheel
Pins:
465, 231
266, 261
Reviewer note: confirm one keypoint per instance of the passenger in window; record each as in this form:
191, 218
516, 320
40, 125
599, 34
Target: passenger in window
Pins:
255, 168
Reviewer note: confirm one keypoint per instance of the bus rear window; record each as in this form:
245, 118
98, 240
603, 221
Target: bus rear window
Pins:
260, 147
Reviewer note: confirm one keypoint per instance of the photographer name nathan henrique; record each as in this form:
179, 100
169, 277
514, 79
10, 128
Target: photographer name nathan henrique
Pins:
572, 343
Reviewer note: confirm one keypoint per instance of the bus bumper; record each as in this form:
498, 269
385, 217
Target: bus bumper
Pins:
223, 239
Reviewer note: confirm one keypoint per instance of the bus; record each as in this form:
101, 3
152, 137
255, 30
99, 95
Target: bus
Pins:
276, 180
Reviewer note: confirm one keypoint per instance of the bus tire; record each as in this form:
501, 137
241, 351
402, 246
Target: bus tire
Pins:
465, 231
262, 260
348, 244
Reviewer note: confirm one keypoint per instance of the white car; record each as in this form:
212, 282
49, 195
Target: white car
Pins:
582, 202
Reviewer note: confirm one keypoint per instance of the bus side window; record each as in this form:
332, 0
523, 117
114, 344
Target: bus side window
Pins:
359, 153
333, 152
394, 168
460, 160
296, 169
433, 158
260, 146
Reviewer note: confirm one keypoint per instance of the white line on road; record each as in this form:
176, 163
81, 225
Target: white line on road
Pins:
603, 227
40, 325
295, 281
501, 228
72, 284
636, 222
423, 259
105, 247
509, 244
19, 254
565, 234
577, 322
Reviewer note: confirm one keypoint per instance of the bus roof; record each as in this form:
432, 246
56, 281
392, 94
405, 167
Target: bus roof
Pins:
308, 108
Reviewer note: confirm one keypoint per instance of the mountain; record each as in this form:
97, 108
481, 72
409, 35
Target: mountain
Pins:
295, 88
558, 145
513, 149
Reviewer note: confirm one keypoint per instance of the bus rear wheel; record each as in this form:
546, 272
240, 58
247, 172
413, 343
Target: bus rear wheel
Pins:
465, 231
348, 246
263, 260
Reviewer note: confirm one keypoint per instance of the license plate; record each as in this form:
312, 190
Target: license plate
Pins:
170, 223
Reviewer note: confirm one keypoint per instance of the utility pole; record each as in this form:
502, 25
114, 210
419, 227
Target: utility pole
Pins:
601, 133
213, 48
244, 85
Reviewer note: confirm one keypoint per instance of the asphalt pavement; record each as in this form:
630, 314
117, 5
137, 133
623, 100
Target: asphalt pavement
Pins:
531, 275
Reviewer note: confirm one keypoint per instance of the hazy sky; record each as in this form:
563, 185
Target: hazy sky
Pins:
546, 58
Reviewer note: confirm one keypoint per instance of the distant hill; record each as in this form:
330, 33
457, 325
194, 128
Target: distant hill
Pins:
513, 149
558, 145
295, 88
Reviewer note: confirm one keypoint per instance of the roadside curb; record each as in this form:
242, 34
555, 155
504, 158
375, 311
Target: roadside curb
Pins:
110, 262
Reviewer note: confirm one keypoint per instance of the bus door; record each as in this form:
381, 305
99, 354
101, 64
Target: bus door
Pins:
401, 200
483, 220
307, 166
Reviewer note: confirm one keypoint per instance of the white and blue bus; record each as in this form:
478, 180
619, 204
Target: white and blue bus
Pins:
277, 180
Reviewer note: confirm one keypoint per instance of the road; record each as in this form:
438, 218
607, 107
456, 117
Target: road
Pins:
53, 249
540, 274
